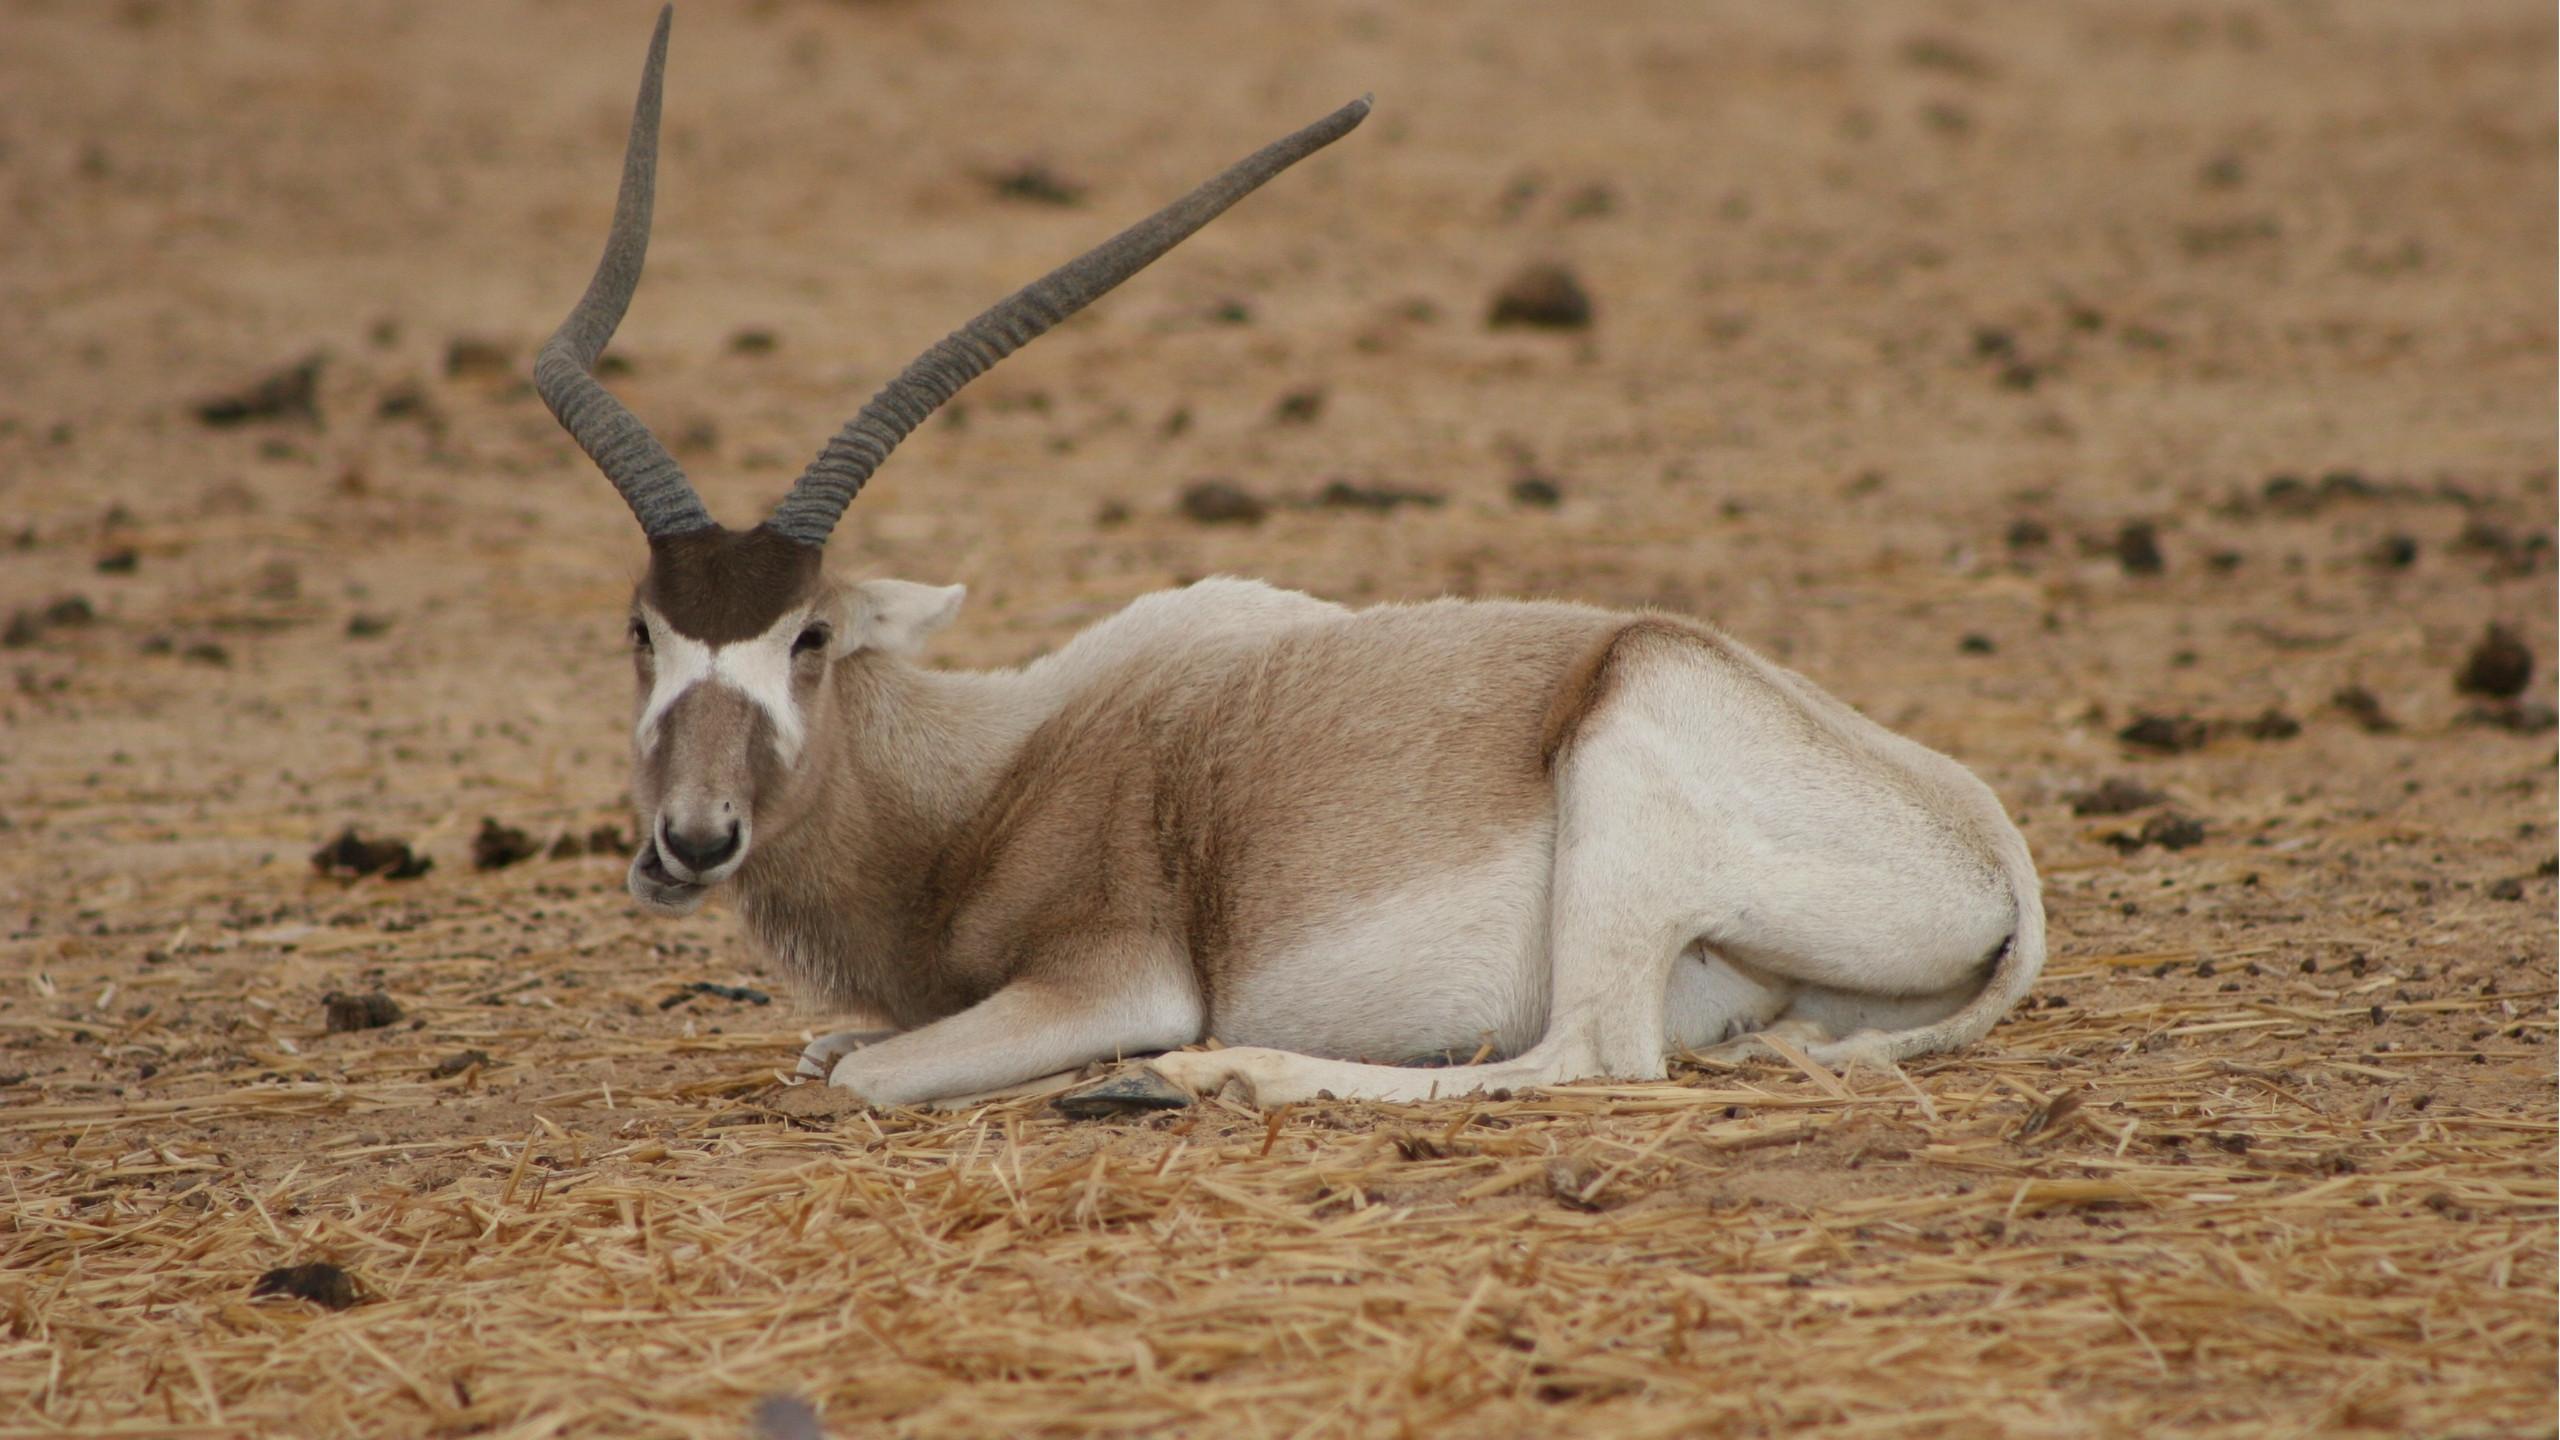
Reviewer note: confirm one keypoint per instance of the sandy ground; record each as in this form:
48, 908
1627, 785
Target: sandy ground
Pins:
1908, 322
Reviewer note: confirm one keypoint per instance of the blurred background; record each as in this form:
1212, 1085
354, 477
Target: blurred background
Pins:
2013, 370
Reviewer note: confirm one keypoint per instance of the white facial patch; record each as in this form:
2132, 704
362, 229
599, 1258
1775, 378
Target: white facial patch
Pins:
760, 668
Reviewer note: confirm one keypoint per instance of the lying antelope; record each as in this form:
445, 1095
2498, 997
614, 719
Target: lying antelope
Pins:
1570, 839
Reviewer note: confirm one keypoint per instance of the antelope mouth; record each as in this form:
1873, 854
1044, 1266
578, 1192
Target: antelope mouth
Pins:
657, 888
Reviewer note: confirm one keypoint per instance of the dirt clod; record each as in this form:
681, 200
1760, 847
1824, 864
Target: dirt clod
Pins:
2137, 548
292, 393
1352, 495
2169, 831
1033, 182
1544, 296
2167, 734
1221, 502
2499, 666
2364, 708
319, 1282
2114, 795
351, 856
498, 846
369, 1011
474, 357
2271, 724
1537, 492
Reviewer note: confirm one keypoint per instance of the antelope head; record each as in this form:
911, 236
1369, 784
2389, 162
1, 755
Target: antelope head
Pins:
734, 633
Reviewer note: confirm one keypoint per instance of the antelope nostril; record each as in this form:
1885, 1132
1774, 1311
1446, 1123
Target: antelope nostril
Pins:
699, 851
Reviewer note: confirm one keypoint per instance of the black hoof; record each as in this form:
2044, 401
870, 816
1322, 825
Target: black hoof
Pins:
1130, 1092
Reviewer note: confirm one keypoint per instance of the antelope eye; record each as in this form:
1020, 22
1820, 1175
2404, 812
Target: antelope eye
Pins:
811, 640
639, 635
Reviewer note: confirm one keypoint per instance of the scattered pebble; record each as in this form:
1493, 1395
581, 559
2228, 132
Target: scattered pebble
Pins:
1299, 407
2271, 724
2499, 666
2114, 795
753, 340
2169, 831
1034, 183
1537, 492
2167, 734
370, 1011
1974, 642
452, 1065
292, 393
351, 855
1219, 502
119, 560
743, 994
2137, 548
1346, 495
2365, 709
26, 627
319, 1282
1543, 296
365, 626
471, 357
498, 846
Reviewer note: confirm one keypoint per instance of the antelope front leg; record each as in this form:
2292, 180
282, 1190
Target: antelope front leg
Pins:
818, 1059
1031, 1028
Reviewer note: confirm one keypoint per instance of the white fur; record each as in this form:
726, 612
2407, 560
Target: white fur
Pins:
759, 668
1449, 965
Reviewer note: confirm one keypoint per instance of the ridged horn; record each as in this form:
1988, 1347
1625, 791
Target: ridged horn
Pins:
622, 447
810, 511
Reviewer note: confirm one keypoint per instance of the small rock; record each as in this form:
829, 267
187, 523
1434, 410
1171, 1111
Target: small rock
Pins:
292, 393
119, 560
1346, 495
1973, 642
2115, 795
753, 341
2499, 666
470, 357
1218, 502
370, 1011
2272, 724
351, 855
498, 846
2138, 548
1299, 407
452, 1065
1034, 183
1538, 492
1543, 296
2395, 552
364, 626
319, 1282
2365, 709
2168, 734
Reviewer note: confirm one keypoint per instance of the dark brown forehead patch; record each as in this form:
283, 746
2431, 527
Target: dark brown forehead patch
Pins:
720, 586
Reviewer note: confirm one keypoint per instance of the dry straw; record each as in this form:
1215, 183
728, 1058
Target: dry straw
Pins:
569, 1239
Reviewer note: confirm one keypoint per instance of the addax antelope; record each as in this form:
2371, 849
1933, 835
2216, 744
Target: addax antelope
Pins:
1568, 841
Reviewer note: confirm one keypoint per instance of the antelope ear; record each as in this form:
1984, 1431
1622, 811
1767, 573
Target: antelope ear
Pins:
896, 617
